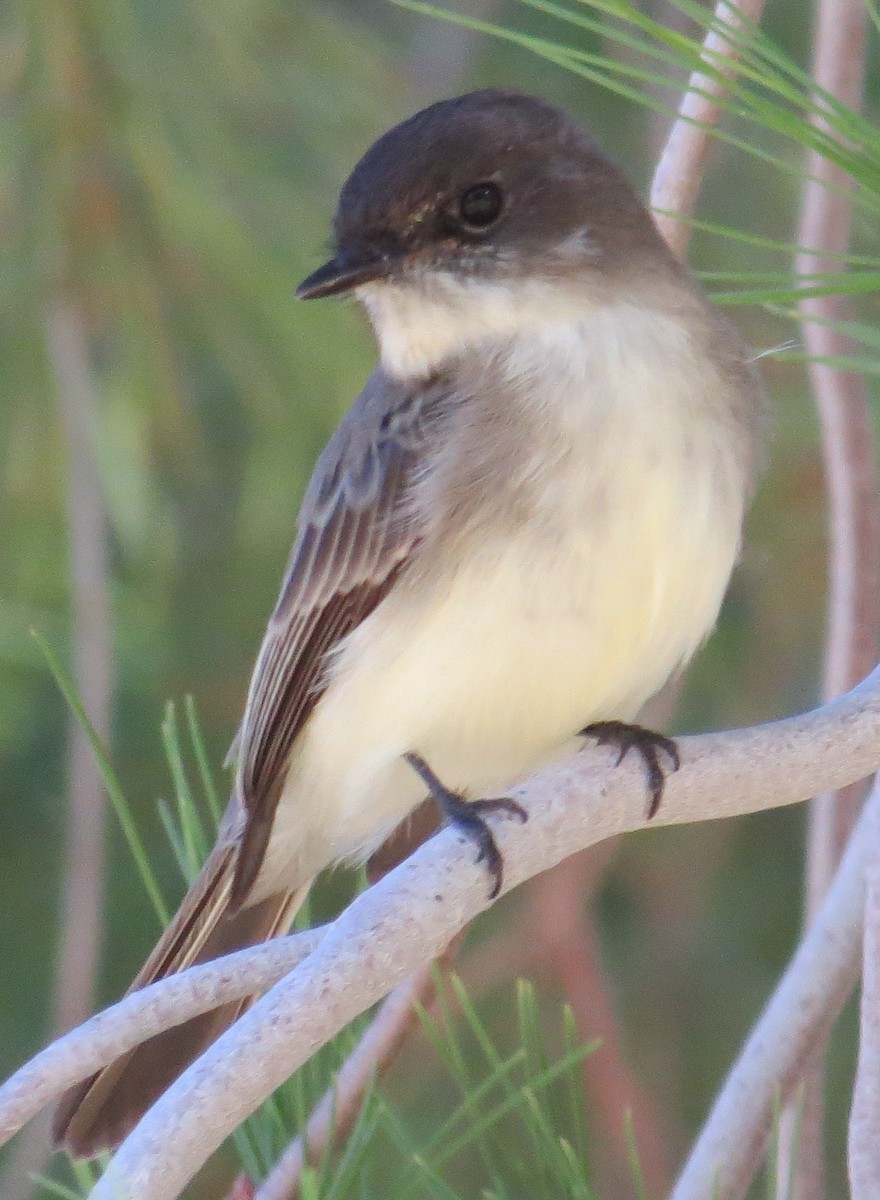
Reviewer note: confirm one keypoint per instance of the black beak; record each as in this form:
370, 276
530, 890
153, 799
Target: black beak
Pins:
341, 274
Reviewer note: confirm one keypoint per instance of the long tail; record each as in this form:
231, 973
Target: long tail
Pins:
98, 1113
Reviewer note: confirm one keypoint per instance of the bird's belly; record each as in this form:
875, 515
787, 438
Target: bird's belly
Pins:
488, 672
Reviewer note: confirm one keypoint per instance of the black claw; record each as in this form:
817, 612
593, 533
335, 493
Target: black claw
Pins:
649, 744
467, 816
500, 804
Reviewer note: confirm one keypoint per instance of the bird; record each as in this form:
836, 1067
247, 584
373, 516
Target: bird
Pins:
521, 530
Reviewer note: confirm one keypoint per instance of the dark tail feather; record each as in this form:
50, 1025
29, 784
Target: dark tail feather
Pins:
98, 1113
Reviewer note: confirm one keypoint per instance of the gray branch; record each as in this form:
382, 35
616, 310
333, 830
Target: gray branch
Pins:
406, 919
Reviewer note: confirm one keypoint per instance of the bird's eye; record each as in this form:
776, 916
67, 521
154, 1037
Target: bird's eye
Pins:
480, 206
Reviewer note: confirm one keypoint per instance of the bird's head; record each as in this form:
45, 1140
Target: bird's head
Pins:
474, 214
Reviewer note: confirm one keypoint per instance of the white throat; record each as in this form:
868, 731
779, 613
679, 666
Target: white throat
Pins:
417, 327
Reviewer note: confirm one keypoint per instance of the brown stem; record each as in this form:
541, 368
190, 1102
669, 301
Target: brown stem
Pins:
83, 883
92, 641
243, 1188
864, 1127
679, 173
853, 511
571, 956
804, 1006
842, 403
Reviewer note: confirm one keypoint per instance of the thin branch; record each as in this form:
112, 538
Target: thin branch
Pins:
842, 403
562, 930
80, 904
93, 674
405, 920
243, 1189
679, 174
140, 1015
853, 622
803, 1008
553, 938
864, 1126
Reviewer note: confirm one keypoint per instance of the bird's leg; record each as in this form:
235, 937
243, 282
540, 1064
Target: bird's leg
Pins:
650, 745
467, 816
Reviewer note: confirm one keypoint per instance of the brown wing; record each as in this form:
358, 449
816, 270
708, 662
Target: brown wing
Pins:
354, 538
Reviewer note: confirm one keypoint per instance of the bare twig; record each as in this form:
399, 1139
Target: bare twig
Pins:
81, 901
679, 174
92, 640
853, 510
842, 403
138, 1016
244, 1188
397, 926
864, 1142
553, 938
562, 927
803, 1008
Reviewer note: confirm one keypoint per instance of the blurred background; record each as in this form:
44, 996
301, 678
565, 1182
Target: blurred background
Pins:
168, 173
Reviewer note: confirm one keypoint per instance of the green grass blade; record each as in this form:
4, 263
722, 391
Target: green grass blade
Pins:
784, 249
171, 830
201, 755
189, 823
632, 1154
575, 1085
54, 1188
111, 783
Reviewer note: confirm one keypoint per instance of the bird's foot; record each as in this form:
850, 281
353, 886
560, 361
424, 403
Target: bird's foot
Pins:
650, 745
468, 816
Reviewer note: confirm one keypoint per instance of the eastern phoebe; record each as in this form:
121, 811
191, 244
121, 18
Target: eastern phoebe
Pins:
524, 525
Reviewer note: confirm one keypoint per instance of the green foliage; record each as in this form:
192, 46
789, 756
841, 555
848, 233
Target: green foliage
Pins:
158, 176
511, 1133
111, 781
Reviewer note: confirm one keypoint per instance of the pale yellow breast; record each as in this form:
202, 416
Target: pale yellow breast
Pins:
486, 661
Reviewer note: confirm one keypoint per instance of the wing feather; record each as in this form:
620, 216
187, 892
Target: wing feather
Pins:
356, 534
